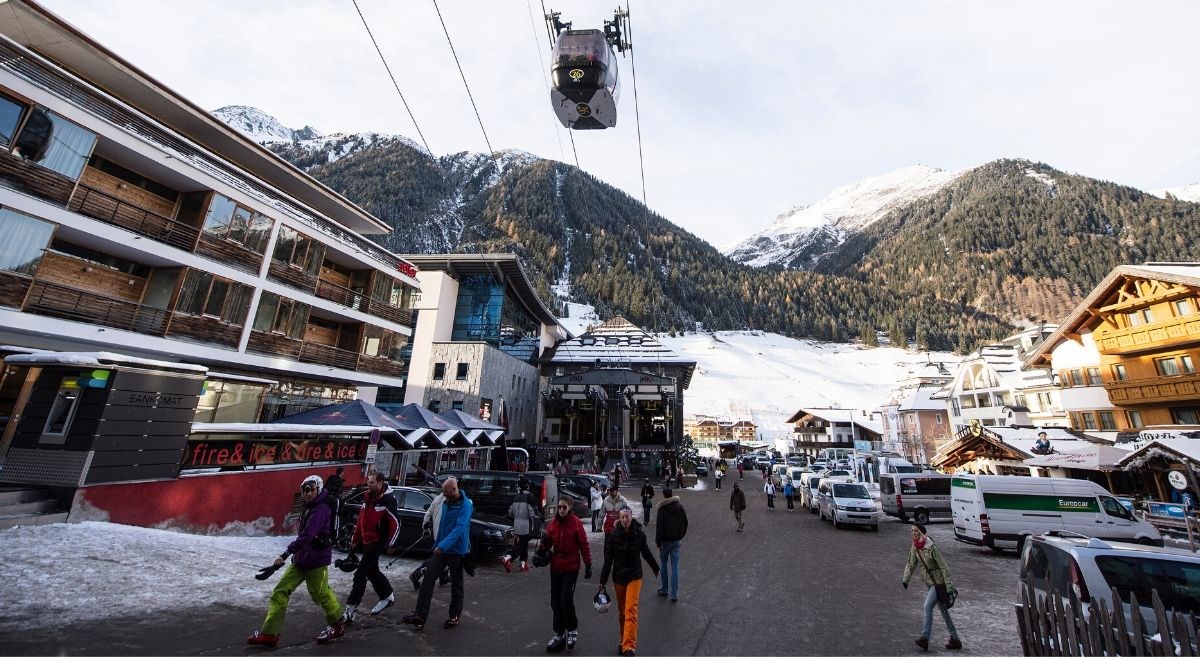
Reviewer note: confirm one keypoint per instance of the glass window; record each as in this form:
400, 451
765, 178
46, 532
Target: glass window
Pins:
279, 315
228, 220
10, 116
415, 501
1077, 378
1166, 366
1185, 362
460, 373
435, 406
1147, 315
391, 291
1176, 581
1183, 307
62, 411
439, 371
1094, 376
458, 406
220, 213
205, 294
1186, 415
1135, 419
1089, 421
22, 241
1107, 423
55, 143
1118, 372
1133, 319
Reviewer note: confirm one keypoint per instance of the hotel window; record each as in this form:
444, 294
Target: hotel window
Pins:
1186, 362
277, 314
45, 138
1107, 423
203, 294
439, 371
435, 406
1166, 366
392, 292
299, 250
1147, 315
1133, 319
1186, 415
460, 373
1094, 376
1118, 372
1134, 418
1077, 378
457, 406
236, 223
1089, 421
1183, 307
22, 240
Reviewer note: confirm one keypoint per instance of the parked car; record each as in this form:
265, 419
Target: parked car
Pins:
490, 533
809, 481
493, 491
919, 496
701, 470
846, 504
1093, 567
581, 484
797, 461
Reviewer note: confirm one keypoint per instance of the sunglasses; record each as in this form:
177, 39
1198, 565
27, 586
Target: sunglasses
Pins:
564, 507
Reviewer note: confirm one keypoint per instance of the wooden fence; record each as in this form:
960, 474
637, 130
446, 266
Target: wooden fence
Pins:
1047, 626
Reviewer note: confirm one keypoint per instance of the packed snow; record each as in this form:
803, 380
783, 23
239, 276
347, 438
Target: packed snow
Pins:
846, 209
1189, 193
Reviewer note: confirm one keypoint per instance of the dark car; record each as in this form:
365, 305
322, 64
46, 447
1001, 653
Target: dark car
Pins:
701, 470
493, 491
581, 484
490, 533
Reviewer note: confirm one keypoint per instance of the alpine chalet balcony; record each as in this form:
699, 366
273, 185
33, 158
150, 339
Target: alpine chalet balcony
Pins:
1165, 335
1159, 389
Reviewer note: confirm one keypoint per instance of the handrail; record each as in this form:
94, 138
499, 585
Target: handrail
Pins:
66, 302
110, 209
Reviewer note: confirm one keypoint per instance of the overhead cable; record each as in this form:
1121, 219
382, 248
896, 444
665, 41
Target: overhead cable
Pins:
542, 64
491, 151
393, 77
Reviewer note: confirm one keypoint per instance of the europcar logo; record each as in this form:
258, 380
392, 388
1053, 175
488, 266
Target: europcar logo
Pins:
1072, 504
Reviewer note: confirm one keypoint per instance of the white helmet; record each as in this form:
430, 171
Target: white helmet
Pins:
601, 601
312, 480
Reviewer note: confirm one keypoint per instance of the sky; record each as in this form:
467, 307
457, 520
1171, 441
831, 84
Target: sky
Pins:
746, 109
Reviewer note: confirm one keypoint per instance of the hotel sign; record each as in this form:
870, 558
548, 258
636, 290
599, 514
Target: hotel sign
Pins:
242, 453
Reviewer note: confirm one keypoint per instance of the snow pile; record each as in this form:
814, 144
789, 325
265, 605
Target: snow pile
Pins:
811, 231
64, 573
1043, 178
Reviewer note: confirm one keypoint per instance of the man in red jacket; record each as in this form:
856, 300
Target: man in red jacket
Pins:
375, 533
566, 541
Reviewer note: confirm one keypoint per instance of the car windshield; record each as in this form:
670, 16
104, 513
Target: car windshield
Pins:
851, 490
838, 473
1177, 582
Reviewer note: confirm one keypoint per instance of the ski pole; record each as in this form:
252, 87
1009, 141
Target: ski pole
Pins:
405, 551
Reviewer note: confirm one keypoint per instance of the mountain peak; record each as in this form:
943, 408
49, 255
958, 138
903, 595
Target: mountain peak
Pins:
260, 126
804, 234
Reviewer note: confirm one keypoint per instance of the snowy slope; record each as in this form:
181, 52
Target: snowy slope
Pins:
260, 126
1184, 193
803, 235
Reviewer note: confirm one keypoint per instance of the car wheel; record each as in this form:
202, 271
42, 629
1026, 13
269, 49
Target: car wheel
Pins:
836, 524
921, 516
1146, 540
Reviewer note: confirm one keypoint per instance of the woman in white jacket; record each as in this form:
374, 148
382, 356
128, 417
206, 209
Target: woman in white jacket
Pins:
597, 503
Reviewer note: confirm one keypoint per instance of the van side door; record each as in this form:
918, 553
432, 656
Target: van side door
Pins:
1116, 516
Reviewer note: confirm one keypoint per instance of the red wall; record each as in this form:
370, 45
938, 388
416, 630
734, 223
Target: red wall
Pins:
204, 503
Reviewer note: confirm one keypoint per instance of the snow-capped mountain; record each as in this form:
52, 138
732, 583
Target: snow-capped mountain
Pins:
800, 237
1185, 193
260, 126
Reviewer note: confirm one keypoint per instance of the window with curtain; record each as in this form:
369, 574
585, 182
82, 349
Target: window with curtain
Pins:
23, 239
54, 142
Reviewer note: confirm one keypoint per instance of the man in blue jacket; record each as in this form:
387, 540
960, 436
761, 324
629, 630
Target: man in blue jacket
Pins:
452, 544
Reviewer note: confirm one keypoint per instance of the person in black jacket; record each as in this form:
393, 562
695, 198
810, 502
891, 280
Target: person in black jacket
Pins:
737, 503
647, 501
668, 534
336, 483
624, 548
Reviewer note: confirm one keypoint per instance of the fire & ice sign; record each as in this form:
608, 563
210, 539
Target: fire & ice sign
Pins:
234, 453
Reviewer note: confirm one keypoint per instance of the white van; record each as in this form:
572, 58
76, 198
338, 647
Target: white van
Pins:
919, 496
1000, 511
808, 490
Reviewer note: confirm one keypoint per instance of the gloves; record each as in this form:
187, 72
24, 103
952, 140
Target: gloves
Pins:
587, 571
426, 530
905, 585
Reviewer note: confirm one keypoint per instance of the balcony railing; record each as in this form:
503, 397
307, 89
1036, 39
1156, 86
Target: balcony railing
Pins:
349, 298
1162, 335
13, 288
54, 300
311, 352
34, 179
1180, 387
291, 276
110, 209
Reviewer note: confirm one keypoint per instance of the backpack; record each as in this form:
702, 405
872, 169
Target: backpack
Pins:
324, 540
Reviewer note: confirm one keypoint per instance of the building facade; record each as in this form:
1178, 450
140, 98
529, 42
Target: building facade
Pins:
706, 432
915, 419
480, 331
816, 429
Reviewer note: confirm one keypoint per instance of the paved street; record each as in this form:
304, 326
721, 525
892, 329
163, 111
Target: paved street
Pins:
789, 584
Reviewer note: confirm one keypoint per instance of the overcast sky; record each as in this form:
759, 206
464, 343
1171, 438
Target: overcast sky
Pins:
747, 108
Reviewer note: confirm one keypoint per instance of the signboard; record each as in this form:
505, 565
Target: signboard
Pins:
1165, 510
235, 453
1177, 480
862, 445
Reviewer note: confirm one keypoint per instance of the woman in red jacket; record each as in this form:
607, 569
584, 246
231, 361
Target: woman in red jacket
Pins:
566, 541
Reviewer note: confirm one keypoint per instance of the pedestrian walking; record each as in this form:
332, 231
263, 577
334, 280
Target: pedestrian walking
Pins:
596, 505
669, 530
451, 547
567, 544
624, 548
789, 493
679, 477
522, 512
311, 554
612, 505
940, 592
375, 533
737, 502
616, 475
741, 470
769, 489
718, 475
647, 501
335, 483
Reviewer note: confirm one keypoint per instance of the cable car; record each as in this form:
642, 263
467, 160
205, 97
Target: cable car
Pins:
586, 80
584, 74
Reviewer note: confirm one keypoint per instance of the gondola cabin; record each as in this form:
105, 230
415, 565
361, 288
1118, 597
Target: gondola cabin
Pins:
586, 84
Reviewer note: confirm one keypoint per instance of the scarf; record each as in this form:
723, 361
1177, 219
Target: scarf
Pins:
919, 543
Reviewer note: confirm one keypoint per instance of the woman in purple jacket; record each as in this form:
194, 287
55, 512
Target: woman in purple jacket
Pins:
311, 553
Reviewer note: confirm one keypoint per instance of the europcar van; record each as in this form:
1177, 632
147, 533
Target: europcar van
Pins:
919, 496
1001, 511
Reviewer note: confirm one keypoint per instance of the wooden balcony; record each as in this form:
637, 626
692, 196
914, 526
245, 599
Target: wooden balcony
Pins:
1161, 389
112, 210
292, 276
35, 179
276, 344
230, 253
344, 296
13, 288
1171, 334
204, 329
54, 300
389, 312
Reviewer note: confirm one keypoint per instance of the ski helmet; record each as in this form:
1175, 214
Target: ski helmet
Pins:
601, 601
313, 481
541, 558
347, 565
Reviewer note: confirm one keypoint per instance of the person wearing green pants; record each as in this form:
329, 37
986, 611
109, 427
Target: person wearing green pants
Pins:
311, 554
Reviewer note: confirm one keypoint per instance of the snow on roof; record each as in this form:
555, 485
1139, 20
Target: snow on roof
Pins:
1187, 447
921, 399
98, 359
616, 340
